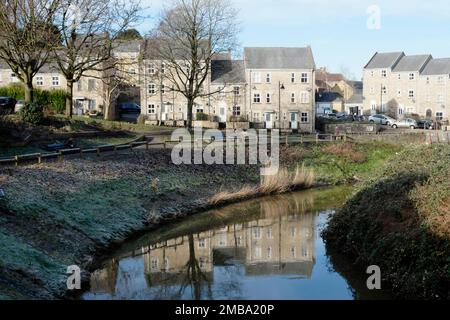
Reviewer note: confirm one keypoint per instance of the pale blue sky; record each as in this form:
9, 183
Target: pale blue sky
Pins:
337, 29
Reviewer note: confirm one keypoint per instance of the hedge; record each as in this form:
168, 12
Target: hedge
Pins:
52, 99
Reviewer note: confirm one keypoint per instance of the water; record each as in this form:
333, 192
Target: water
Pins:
268, 248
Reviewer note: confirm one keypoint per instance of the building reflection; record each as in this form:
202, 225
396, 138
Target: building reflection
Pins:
279, 241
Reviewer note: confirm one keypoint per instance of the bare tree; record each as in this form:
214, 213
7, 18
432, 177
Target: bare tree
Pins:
190, 32
27, 36
89, 30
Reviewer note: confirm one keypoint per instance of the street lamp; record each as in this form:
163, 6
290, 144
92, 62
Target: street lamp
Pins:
280, 87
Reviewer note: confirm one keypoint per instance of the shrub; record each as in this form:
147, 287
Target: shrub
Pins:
32, 113
200, 116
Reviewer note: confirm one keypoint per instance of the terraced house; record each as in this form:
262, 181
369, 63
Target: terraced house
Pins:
402, 85
269, 88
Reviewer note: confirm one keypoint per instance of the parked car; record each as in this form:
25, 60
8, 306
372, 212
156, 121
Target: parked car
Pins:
129, 107
425, 124
405, 123
19, 105
381, 119
342, 116
331, 116
7, 105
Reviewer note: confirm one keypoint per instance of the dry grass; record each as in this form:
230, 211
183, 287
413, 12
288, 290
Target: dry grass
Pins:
282, 182
346, 151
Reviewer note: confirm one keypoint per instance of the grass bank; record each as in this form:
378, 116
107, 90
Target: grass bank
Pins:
67, 213
399, 219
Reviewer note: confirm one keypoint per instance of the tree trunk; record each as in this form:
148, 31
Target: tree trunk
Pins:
69, 99
190, 106
29, 92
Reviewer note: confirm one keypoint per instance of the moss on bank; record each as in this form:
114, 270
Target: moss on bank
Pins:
61, 214
399, 220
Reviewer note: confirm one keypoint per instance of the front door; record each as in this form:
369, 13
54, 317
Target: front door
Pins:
164, 111
294, 120
269, 120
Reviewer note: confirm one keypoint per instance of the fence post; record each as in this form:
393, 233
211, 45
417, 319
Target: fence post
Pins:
317, 138
40, 158
16, 158
146, 145
287, 140
345, 137
301, 139
60, 156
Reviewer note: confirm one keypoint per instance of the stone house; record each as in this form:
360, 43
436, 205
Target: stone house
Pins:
281, 87
401, 85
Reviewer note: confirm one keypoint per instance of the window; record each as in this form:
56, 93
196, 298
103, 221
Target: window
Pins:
80, 85
163, 67
166, 264
14, 77
40, 81
257, 98
257, 253
202, 243
412, 76
236, 110
304, 77
92, 84
399, 93
256, 77
151, 109
238, 241
151, 68
293, 252
268, 78
237, 91
372, 90
55, 81
269, 252
256, 116
304, 96
257, 233
154, 263
92, 104
384, 73
399, 76
268, 98
293, 100
293, 232
269, 233
371, 73
384, 89
305, 252
202, 263
152, 88
439, 116
428, 80
293, 77
132, 71
304, 117
163, 89
411, 94
440, 80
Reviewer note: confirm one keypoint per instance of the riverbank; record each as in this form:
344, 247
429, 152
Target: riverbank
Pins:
67, 213
399, 219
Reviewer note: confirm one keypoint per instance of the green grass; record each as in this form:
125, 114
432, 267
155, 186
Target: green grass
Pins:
330, 168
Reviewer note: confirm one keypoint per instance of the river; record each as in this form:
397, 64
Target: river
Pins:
269, 248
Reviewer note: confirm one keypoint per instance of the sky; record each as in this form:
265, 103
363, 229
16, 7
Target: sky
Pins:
343, 34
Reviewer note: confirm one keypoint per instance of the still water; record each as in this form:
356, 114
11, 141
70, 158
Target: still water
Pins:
268, 248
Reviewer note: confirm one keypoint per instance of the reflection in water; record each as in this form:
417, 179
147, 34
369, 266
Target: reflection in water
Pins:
261, 249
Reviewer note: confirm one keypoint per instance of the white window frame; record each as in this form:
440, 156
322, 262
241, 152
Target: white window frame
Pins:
305, 77
304, 97
413, 95
256, 77
304, 117
40, 81
256, 97
151, 88
151, 68
56, 81
269, 78
384, 73
268, 97
293, 97
293, 77
151, 109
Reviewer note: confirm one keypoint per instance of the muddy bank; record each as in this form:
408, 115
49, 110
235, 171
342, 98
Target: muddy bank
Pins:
60, 214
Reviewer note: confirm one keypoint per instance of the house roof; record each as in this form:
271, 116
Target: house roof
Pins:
127, 45
326, 76
437, 66
227, 71
221, 56
384, 60
412, 63
328, 97
356, 98
279, 58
